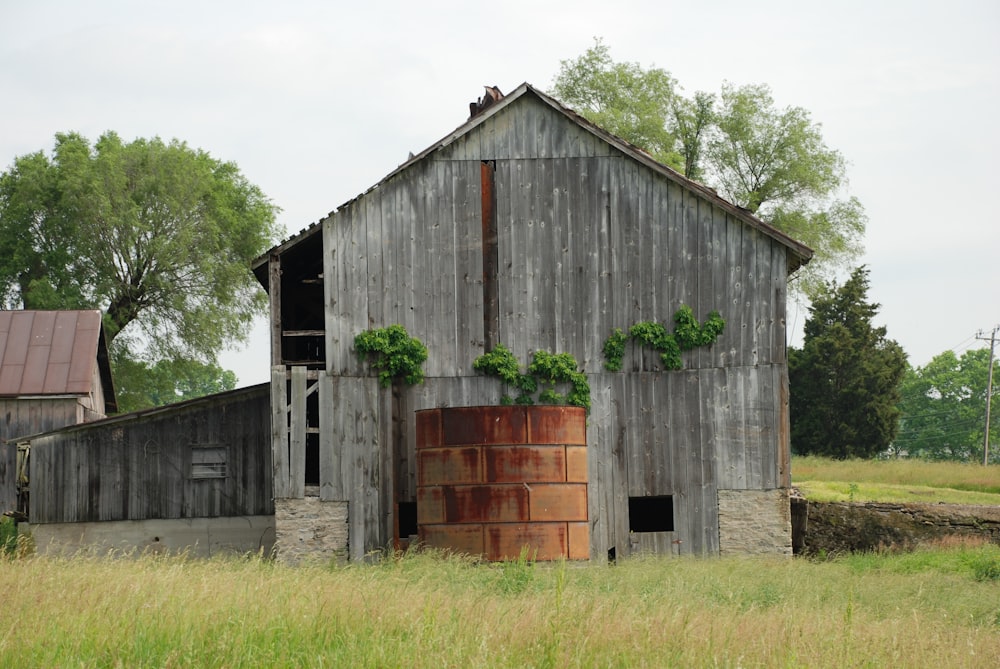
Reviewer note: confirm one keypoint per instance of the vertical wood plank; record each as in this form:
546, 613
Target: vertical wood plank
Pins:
279, 433
297, 434
331, 483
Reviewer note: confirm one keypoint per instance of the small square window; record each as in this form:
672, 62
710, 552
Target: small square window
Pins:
651, 514
208, 462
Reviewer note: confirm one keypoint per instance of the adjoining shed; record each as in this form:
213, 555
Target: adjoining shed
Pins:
54, 371
530, 227
193, 476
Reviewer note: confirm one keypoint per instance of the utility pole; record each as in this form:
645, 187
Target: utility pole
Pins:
989, 391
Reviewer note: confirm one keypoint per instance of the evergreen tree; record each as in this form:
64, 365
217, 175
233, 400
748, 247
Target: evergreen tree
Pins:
844, 382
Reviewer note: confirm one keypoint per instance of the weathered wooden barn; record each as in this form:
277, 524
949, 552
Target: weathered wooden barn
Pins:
530, 227
192, 476
54, 371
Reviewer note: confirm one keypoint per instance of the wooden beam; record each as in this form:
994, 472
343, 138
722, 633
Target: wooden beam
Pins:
274, 294
297, 438
279, 432
491, 258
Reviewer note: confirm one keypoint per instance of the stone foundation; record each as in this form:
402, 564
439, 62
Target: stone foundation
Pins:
308, 528
755, 522
201, 537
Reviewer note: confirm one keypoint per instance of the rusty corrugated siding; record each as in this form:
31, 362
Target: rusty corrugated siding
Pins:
48, 352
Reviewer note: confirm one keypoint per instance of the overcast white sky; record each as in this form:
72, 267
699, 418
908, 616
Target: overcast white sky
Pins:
317, 101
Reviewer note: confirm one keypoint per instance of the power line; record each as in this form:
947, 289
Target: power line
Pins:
989, 392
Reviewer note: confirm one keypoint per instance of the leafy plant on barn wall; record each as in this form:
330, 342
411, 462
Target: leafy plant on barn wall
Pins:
546, 369
687, 334
394, 353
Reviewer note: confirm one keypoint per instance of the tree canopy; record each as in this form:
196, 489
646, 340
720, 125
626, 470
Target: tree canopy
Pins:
157, 235
773, 162
844, 381
623, 98
140, 384
943, 409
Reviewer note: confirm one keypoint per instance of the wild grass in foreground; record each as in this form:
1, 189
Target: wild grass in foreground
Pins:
936, 608
823, 479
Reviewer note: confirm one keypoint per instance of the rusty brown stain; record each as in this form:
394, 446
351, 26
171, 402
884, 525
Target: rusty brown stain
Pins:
484, 503
461, 425
525, 463
436, 466
557, 425
428, 432
491, 256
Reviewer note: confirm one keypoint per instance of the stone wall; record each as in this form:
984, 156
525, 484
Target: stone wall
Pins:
755, 522
838, 527
307, 528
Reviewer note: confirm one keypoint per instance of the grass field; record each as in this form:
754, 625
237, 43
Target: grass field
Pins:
938, 606
824, 480
932, 608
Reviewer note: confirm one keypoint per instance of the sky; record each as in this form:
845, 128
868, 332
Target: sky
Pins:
317, 101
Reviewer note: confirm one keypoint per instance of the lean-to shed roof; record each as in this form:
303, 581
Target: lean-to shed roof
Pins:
799, 254
53, 353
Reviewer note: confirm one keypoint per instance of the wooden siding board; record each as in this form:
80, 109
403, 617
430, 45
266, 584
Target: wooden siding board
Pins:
467, 240
331, 484
279, 432
345, 257
297, 434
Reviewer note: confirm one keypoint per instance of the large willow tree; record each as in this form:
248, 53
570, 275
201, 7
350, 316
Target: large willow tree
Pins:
159, 236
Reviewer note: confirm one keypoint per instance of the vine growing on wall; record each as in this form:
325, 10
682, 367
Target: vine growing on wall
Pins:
545, 373
687, 334
394, 353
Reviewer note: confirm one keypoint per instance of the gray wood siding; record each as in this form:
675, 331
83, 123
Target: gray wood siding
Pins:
22, 417
8, 476
140, 466
589, 239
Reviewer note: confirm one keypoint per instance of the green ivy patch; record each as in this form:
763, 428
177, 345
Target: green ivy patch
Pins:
394, 353
687, 334
546, 371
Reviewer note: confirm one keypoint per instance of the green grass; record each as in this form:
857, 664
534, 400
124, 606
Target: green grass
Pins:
937, 607
826, 480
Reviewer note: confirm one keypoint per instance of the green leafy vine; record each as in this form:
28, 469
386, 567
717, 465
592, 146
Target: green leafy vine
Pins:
394, 353
546, 371
687, 334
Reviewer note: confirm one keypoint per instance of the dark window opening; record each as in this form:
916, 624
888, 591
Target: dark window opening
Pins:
651, 514
407, 516
312, 459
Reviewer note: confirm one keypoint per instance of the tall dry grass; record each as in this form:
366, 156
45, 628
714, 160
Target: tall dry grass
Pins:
941, 609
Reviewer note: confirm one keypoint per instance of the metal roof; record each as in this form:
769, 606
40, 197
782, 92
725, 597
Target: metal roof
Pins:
50, 352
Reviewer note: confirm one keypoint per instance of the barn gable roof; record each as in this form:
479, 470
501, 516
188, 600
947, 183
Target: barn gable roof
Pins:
53, 353
799, 255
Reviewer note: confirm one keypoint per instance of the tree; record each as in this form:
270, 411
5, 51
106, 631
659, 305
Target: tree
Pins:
844, 382
623, 98
772, 162
776, 165
140, 385
943, 408
157, 235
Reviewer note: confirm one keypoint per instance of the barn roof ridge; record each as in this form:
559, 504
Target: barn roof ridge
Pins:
802, 253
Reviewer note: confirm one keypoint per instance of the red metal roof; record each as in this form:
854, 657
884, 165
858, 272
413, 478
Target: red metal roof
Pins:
48, 352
